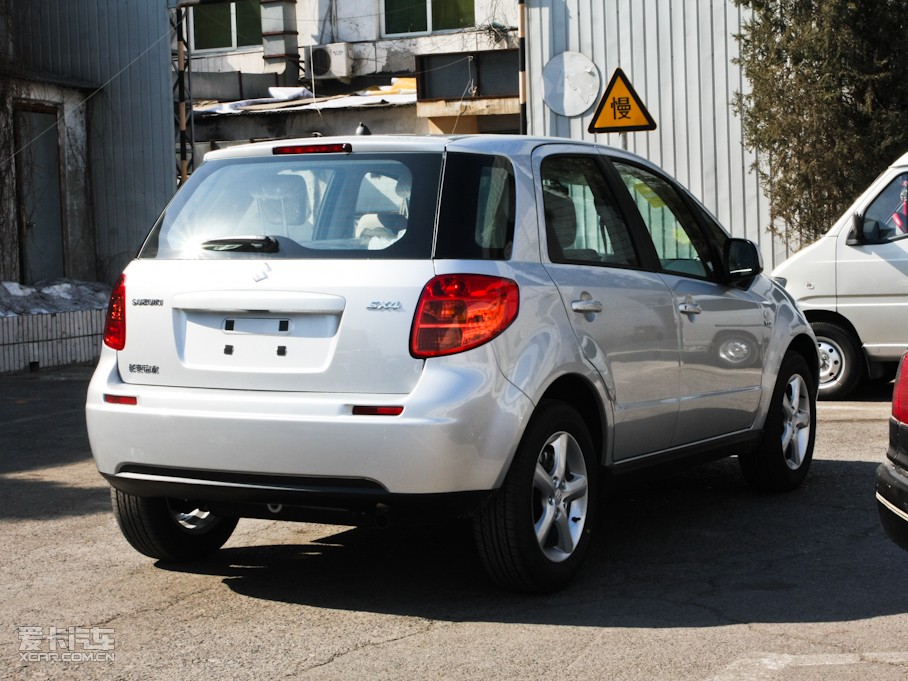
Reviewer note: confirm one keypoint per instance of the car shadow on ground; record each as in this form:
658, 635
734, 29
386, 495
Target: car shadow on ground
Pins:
879, 390
46, 469
43, 417
686, 548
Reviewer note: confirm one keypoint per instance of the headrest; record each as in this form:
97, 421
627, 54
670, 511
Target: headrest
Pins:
560, 218
284, 199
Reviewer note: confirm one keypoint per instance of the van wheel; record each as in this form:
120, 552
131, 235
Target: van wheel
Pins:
169, 529
535, 531
781, 460
841, 368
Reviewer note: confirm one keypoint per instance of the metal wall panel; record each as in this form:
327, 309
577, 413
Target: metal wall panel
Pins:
123, 48
679, 57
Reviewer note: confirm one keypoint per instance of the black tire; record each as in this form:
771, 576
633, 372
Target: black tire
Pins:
539, 496
841, 360
168, 529
781, 460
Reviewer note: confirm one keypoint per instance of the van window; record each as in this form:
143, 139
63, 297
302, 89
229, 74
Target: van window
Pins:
890, 208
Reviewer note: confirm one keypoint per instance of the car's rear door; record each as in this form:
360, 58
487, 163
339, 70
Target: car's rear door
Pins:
623, 315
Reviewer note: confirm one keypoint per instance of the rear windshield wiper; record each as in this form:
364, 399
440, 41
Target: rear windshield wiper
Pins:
243, 244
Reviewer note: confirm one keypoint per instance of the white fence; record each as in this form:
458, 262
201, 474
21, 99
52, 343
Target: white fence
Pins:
46, 340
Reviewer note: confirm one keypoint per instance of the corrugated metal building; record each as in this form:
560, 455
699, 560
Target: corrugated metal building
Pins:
117, 54
677, 54
679, 58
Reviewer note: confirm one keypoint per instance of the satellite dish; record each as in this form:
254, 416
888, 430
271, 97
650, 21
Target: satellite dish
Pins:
570, 84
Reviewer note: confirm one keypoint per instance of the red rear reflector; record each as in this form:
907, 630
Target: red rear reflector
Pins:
458, 312
115, 323
900, 393
377, 411
120, 399
344, 148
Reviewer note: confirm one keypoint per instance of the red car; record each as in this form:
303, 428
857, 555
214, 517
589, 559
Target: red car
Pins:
892, 476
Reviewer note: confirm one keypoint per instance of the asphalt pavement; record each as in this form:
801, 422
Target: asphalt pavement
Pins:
692, 576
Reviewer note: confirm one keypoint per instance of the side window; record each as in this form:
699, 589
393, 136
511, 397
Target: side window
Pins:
890, 209
476, 217
583, 224
680, 243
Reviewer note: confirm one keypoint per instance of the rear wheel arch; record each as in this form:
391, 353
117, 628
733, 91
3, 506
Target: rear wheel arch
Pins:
577, 392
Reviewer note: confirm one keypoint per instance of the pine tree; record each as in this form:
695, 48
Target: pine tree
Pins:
827, 108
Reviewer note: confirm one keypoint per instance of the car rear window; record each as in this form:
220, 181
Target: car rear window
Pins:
364, 205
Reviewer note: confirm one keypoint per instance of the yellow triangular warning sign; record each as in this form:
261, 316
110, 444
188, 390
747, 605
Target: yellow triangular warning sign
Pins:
621, 109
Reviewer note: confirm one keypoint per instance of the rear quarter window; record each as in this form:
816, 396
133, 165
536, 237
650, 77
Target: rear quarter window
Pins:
477, 209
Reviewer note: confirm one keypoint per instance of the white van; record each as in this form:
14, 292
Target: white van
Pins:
853, 285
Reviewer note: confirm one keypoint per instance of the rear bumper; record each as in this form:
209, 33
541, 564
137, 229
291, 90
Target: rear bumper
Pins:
457, 434
892, 502
294, 498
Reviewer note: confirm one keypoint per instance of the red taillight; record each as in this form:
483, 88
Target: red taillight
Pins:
457, 312
115, 324
344, 148
900, 393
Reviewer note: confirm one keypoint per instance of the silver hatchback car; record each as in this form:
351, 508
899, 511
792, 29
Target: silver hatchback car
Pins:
367, 329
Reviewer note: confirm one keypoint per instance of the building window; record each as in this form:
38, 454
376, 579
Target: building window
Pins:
227, 25
467, 75
424, 16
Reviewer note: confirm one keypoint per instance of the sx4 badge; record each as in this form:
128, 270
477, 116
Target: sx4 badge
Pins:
384, 305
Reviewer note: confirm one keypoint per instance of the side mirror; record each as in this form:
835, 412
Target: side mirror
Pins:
864, 231
856, 237
741, 260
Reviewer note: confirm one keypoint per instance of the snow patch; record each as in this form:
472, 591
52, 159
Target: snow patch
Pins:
47, 297
16, 289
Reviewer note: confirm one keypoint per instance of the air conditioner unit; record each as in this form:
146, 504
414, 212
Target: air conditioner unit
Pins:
330, 61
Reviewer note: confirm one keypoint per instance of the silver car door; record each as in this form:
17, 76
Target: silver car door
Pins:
622, 315
723, 330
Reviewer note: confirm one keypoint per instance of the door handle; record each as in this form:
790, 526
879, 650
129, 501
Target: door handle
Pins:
586, 306
690, 309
